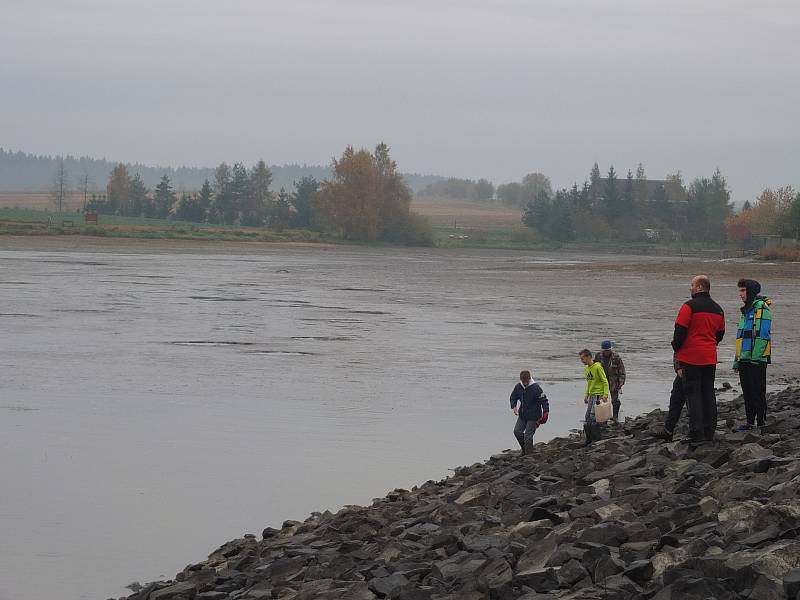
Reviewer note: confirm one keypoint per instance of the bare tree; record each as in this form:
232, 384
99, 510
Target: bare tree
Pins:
60, 189
85, 185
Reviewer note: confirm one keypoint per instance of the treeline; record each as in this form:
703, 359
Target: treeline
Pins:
460, 189
20, 171
632, 208
365, 198
609, 207
483, 190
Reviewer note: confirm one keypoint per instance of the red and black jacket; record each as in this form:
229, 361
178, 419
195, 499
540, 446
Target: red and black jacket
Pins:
699, 328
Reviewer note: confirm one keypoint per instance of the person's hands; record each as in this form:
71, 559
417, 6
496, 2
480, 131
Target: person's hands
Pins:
605, 398
680, 373
543, 420
516, 410
586, 399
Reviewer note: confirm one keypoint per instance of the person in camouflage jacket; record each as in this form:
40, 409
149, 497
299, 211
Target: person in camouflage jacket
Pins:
615, 373
753, 351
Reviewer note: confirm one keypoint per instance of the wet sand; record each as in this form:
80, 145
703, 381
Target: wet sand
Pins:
160, 397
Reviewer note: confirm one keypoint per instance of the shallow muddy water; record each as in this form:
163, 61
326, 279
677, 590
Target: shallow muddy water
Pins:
160, 399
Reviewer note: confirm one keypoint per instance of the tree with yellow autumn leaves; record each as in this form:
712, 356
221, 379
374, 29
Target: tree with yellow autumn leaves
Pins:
774, 212
367, 199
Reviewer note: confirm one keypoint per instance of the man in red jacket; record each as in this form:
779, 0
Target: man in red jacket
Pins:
699, 328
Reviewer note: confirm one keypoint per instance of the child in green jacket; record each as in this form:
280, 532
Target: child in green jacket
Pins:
596, 391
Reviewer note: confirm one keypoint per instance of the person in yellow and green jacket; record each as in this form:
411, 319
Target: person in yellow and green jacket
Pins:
753, 351
596, 391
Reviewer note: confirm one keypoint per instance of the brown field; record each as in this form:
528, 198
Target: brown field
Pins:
37, 201
468, 215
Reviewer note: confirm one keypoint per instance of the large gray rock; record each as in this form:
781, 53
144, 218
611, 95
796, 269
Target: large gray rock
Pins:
772, 562
791, 583
387, 587
609, 534
477, 494
179, 591
571, 573
749, 452
693, 588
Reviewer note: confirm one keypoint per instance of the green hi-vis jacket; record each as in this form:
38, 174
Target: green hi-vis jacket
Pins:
754, 333
596, 381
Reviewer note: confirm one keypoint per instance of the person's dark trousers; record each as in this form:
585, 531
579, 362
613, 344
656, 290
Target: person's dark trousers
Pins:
523, 431
698, 384
677, 398
753, 377
615, 403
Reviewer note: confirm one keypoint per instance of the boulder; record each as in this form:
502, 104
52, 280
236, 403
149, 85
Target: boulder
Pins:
609, 534
178, 591
749, 452
773, 562
387, 587
571, 573
477, 494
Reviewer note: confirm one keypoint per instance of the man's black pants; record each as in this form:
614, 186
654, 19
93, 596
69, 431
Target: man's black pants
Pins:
698, 384
753, 377
677, 398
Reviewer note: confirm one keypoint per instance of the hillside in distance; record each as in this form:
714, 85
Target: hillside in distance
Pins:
21, 172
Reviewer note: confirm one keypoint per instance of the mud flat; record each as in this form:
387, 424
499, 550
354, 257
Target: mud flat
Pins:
175, 394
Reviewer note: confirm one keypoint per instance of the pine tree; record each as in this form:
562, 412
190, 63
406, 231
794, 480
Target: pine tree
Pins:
163, 198
627, 205
595, 186
260, 200
222, 205
562, 217
641, 185
303, 202
138, 202
537, 213
239, 195
205, 200
611, 196
281, 215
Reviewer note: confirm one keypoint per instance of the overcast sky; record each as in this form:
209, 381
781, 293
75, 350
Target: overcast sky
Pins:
490, 89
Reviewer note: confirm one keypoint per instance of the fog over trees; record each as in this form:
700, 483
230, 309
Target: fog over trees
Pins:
20, 171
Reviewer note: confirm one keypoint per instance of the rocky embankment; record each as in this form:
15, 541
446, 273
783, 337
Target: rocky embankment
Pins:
631, 517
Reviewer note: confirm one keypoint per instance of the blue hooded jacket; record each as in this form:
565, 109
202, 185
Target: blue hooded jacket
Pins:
532, 399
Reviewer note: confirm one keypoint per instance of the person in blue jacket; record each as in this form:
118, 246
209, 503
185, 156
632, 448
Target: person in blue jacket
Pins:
532, 409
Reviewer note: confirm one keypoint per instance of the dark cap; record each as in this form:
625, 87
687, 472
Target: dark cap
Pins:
606, 345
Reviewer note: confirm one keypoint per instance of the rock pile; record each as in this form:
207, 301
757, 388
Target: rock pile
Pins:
628, 518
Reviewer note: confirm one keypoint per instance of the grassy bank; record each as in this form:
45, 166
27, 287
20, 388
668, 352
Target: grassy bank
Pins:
33, 222
787, 253
488, 229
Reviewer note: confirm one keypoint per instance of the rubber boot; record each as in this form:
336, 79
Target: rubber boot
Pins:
521, 442
527, 449
597, 432
616, 406
587, 429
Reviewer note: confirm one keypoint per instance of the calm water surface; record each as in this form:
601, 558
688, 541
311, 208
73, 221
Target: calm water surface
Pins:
157, 404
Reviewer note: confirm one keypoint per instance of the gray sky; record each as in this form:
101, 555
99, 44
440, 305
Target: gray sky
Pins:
464, 88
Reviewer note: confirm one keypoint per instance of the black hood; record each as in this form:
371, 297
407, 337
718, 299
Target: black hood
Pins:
753, 288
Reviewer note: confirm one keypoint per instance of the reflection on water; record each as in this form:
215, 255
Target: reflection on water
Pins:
157, 405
